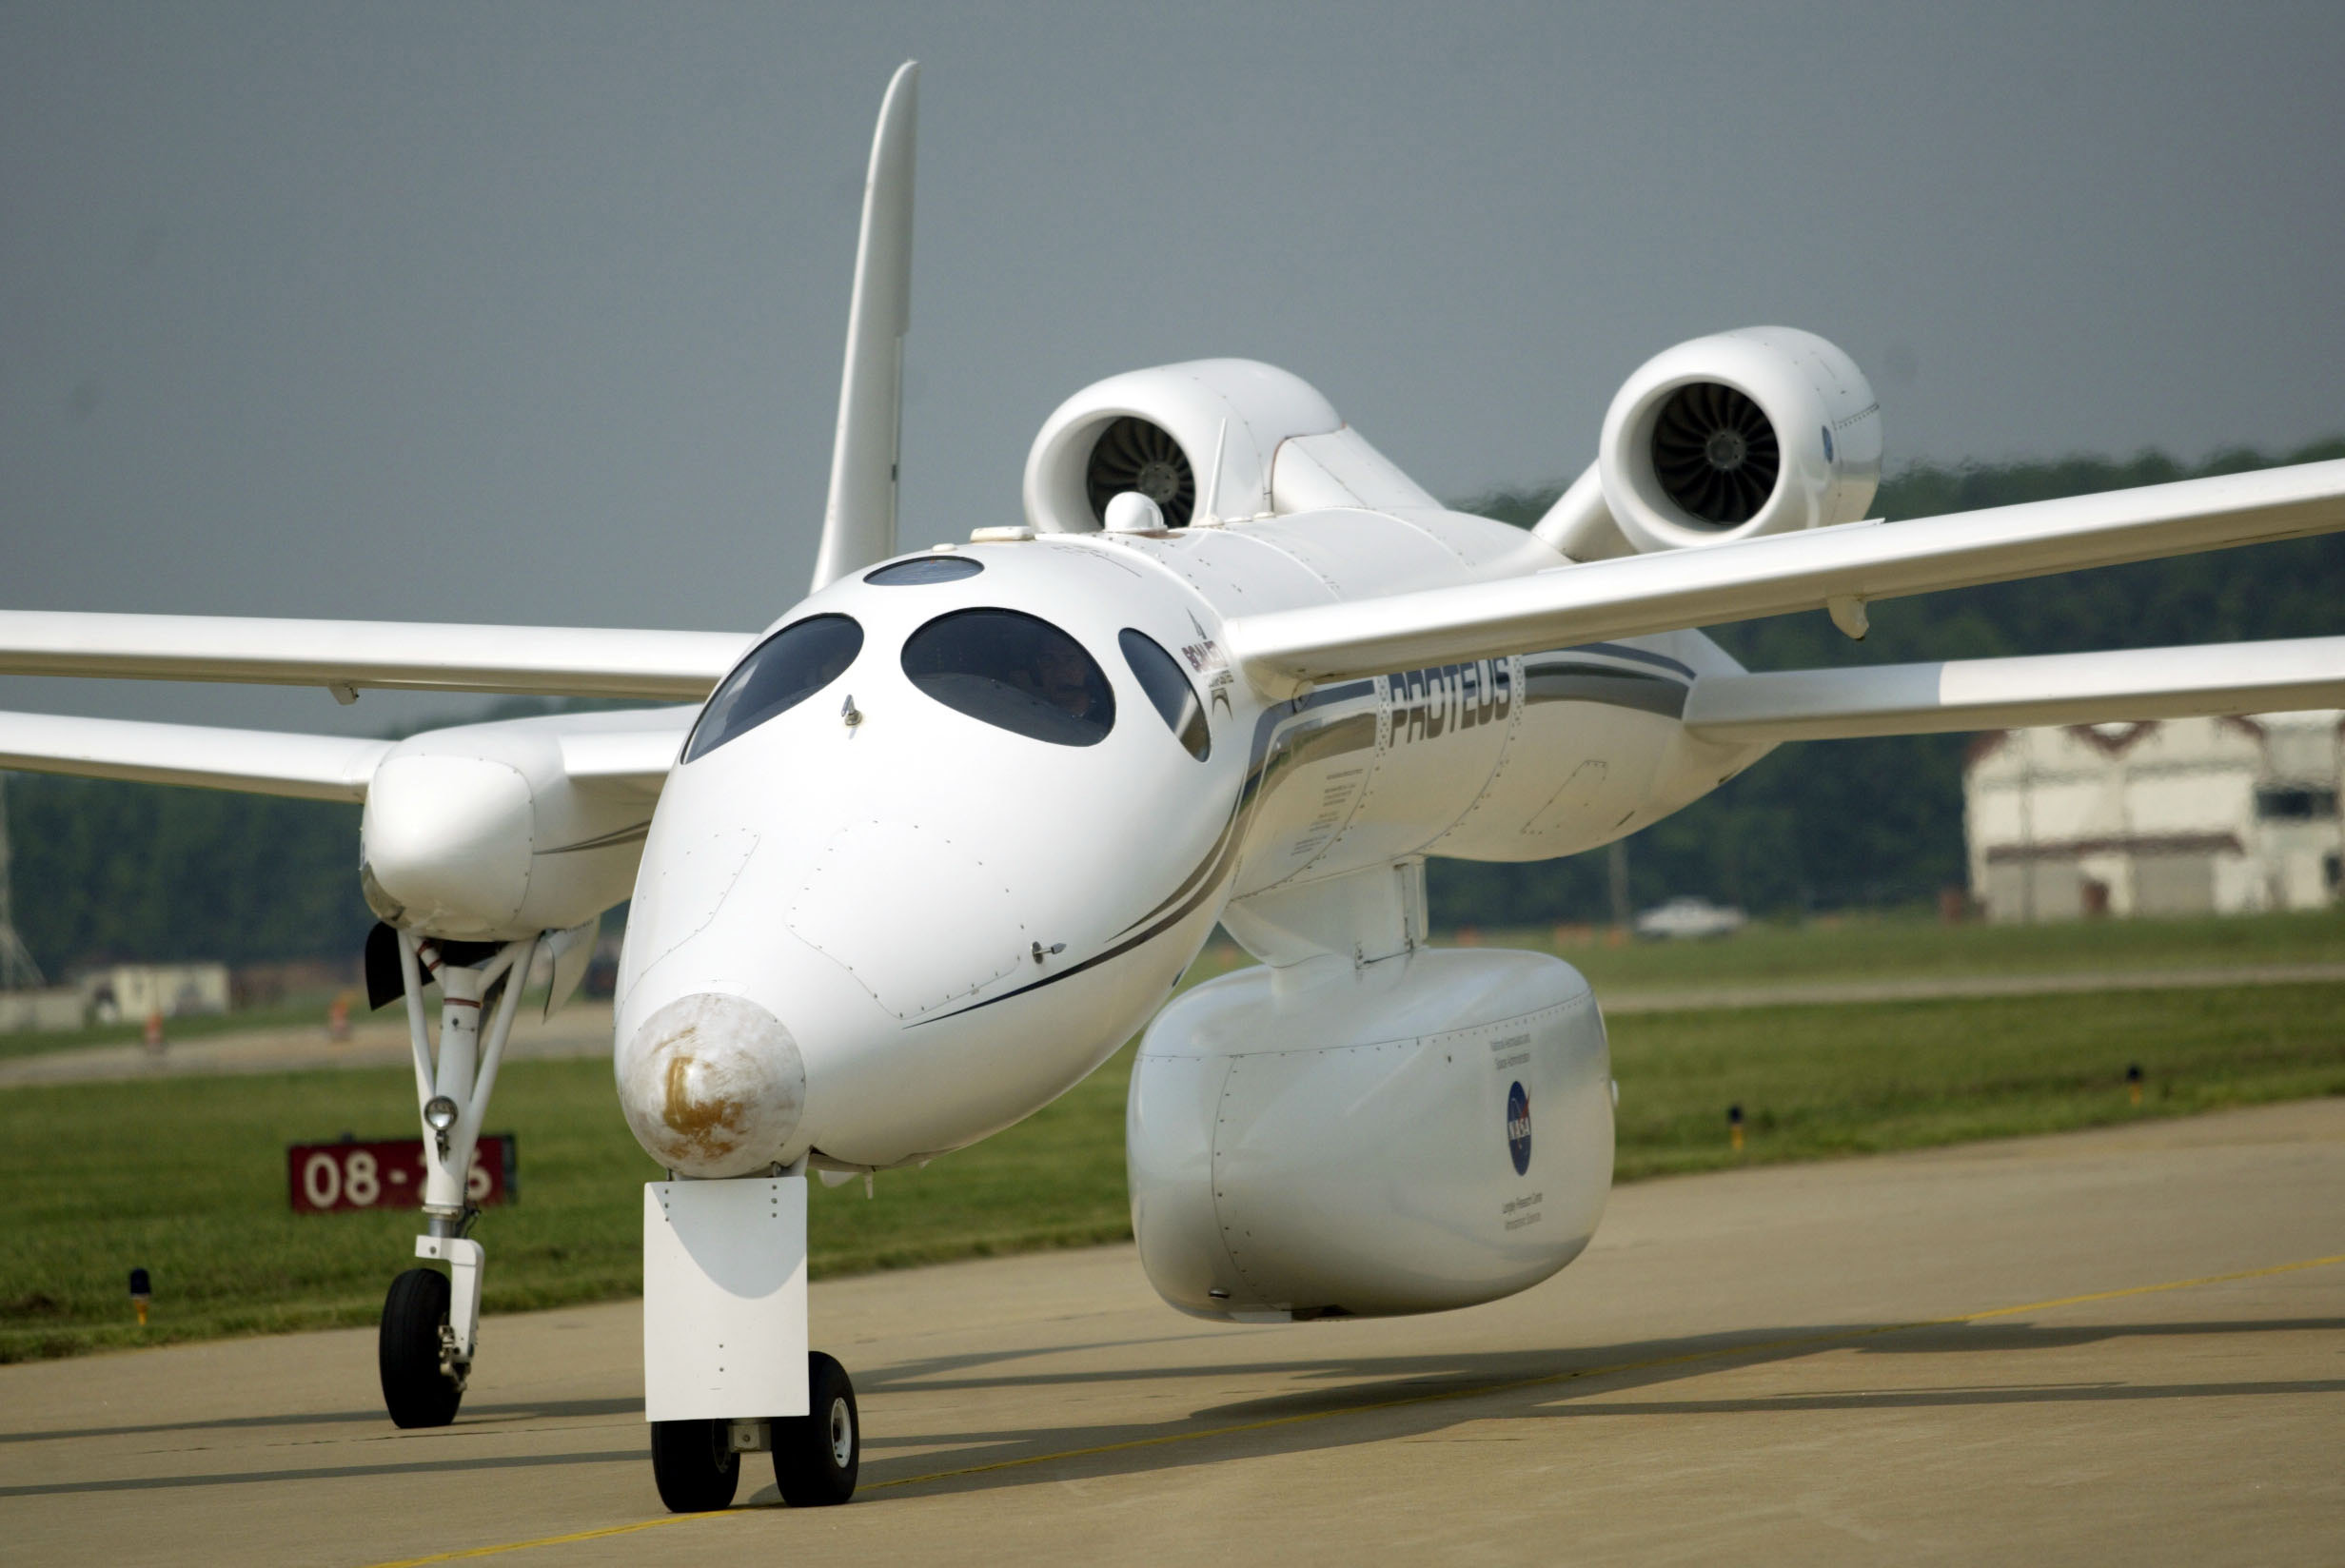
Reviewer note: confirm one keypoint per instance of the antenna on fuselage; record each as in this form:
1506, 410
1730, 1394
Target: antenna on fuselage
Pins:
858, 522
1211, 508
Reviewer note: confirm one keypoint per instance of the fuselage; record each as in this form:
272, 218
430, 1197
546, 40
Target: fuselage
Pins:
962, 862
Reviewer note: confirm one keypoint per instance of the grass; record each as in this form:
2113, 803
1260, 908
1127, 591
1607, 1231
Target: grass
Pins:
185, 1177
1816, 1083
1868, 947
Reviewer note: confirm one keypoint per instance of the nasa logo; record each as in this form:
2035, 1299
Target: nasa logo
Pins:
1518, 1128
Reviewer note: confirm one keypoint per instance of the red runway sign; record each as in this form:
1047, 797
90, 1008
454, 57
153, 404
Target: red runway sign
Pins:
334, 1178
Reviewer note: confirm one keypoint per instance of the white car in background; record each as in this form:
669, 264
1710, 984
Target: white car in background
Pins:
1686, 917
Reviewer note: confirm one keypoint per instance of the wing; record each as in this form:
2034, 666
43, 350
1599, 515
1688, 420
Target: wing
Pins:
628, 753
1838, 568
255, 761
1999, 694
613, 751
352, 655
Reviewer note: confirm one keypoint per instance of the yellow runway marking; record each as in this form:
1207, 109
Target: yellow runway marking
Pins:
1726, 1352
544, 1540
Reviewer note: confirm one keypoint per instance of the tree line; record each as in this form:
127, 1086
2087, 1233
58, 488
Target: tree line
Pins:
106, 871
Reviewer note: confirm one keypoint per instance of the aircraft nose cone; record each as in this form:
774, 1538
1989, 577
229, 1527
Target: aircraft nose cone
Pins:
712, 1085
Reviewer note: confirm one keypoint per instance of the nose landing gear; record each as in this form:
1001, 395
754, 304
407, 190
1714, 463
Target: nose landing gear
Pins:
696, 1464
726, 1330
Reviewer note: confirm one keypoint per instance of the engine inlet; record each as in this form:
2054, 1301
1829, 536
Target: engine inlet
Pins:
1133, 453
1715, 453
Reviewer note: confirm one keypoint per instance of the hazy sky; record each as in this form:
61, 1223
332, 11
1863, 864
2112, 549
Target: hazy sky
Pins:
534, 313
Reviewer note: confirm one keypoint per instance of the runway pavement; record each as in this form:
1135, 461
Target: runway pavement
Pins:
582, 1028
2118, 1346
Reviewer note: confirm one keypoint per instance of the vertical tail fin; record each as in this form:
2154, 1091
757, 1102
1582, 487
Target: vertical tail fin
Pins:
859, 523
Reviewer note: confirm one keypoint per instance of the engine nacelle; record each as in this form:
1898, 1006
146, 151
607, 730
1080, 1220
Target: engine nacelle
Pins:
1765, 430
1166, 433
479, 834
1422, 1133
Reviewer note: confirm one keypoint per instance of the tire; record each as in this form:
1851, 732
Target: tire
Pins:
817, 1456
693, 1465
415, 1391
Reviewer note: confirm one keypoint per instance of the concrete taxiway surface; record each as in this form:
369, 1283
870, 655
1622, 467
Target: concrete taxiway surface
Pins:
584, 1029
2118, 1346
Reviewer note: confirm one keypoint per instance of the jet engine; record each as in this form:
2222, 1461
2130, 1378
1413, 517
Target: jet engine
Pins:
1197, 438
1763, 430
1332, 1139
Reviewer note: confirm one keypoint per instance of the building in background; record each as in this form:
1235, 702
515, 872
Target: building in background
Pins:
142, 990
2184, 816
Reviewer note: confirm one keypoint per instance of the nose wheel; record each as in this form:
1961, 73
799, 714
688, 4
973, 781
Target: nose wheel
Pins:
696, 1464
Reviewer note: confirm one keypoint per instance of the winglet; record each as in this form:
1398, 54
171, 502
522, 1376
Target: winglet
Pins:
859, 523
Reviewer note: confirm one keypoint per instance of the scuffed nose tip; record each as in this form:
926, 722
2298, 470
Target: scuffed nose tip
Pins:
712, 1085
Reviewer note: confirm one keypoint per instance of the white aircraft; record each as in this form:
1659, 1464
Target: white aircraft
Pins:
915, 859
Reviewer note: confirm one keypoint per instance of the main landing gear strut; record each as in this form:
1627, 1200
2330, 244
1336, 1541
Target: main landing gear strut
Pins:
431, 1321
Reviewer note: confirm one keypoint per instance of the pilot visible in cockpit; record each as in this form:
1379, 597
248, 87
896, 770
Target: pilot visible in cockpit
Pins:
1065, 675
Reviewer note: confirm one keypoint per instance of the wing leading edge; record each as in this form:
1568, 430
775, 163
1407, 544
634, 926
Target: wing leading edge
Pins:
1830, 568
355, 655
628, 751
252, 761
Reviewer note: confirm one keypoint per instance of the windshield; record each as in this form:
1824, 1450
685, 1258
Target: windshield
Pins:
782, 672
1014, 671
1159, 675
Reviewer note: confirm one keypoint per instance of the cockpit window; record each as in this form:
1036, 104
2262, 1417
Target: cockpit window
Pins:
939, 568
1159, 675
1014, 671
780, 672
